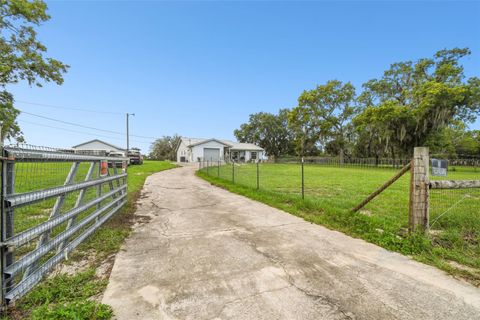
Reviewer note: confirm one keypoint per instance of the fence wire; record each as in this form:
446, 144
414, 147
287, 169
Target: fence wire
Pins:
332, 184
455, 213
327, 182
51, 201
343, 183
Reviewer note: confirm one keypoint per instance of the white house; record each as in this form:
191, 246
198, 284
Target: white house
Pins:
193, 150
97, 146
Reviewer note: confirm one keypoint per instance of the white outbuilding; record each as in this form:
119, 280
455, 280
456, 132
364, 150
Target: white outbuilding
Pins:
97, 146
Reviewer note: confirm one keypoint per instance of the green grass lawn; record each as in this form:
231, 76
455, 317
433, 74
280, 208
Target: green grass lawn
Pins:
69, 296
331, 192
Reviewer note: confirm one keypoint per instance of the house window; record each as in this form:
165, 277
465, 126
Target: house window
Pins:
253, 156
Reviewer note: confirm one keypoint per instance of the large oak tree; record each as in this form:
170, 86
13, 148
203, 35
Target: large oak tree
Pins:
268, 131
414, 100
324, 115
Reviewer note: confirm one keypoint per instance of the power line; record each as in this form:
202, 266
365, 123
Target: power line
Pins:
83, 126
69, 108
75, 131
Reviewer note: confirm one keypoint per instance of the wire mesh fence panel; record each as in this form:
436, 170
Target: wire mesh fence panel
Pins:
381, 189
225, 171
342, 184
52, 200
245, 174
281, 178
330, 183
455, 212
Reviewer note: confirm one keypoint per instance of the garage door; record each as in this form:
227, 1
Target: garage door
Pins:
212, 154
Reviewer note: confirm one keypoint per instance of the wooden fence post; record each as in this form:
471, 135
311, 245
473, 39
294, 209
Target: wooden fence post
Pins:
419, 190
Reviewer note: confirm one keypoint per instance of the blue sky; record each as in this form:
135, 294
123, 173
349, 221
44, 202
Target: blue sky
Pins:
200, 68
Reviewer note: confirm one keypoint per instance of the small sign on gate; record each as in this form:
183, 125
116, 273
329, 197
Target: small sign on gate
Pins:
103, 168
439, 167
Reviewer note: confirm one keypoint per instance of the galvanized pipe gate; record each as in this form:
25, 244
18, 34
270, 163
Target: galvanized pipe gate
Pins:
51, 201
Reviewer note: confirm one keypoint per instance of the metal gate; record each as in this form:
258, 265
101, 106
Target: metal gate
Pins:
52, 200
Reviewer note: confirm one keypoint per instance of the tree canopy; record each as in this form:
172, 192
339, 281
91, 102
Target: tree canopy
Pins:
165, 148
327, 111
414, 103
268, 131
414, 100
22, 56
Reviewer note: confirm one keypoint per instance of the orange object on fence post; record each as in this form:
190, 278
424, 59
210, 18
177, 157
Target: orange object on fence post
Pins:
103, 168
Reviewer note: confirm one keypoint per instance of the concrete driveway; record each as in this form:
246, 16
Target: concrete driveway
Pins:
209, 254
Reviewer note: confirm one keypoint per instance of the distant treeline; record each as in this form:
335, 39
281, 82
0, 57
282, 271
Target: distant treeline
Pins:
427, 102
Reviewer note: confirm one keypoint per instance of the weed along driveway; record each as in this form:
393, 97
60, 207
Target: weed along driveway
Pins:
202, 252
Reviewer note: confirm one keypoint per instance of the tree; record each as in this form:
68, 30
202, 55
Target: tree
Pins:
381, 130
8, 114
165, 148
455, 141
22, 56
325, 113
428, 95
268, 131
305, 129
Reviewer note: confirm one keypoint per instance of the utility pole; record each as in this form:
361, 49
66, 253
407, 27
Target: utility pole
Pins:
128, 142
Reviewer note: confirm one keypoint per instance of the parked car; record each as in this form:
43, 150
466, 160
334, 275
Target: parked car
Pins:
116, 154
135, 157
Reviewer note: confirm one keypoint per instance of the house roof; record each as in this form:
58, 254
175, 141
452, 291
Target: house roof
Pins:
202, 141
191, 142
100, 141
246, 146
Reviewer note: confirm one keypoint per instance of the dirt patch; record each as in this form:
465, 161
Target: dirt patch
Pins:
141, 220
459, 266
365, 212
71, 267
434, 232
103, 270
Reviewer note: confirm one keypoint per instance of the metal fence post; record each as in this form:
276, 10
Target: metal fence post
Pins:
233, 171
218, 169
419, 190
100, 186
8, 178
6, 259
258, 176
303, 180
208, 169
